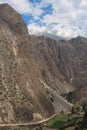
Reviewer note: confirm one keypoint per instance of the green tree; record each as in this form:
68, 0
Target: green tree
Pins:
84, 122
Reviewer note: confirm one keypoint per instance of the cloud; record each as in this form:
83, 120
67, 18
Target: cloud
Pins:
68, 13
35, 29
65, 18
83, 4
68, 18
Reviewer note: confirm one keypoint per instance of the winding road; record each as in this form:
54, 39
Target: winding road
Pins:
28, 124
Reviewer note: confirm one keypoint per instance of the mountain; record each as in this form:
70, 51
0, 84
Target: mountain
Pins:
65, 58
36, 71
50, 35
30, 82
65, 61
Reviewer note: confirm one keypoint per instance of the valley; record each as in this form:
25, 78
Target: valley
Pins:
38, 75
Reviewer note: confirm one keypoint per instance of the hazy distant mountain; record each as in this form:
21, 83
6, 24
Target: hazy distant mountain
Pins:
50, 35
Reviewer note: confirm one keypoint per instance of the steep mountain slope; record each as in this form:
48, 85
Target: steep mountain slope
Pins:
21, 89
64, 61
67, 58
26, 91
79, 56
46, 53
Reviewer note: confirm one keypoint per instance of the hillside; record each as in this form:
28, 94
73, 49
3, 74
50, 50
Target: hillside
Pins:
65, 61
30, 79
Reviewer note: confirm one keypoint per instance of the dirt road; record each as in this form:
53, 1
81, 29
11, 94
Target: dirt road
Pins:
28, 124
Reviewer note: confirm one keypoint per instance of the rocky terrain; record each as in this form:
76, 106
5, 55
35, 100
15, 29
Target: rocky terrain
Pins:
63, 64
36, 71
67, 58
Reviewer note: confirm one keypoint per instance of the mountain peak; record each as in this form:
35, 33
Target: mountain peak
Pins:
9, 16
4, 5
79, 37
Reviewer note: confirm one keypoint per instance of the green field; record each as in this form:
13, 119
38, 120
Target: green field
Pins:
63, 120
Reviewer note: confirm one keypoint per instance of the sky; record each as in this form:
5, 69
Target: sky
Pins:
66, 18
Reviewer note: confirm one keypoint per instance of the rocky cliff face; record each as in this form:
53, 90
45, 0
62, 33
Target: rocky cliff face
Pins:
62, 63
64, 60
20, 85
